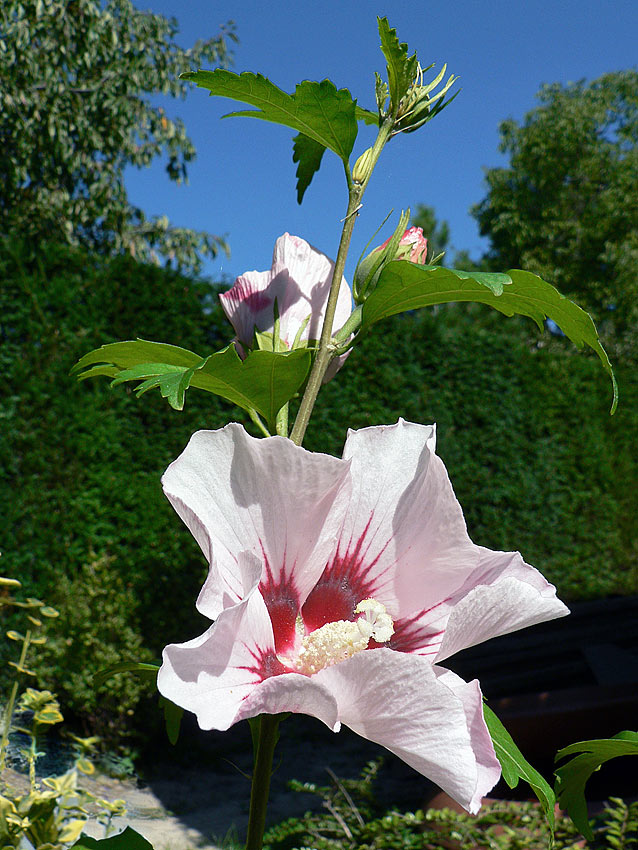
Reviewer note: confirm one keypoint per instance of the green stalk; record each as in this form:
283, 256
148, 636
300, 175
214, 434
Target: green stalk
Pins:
325, 351
266, 740
8, 712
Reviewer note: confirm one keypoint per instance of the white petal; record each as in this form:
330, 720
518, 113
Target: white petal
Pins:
305, 274
223, 676
425, 715
405, 518
292, 692
267, 496
212, 674
249, 305
503, 595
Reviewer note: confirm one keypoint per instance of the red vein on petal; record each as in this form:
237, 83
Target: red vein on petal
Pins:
343, 584
282, 601
266, 664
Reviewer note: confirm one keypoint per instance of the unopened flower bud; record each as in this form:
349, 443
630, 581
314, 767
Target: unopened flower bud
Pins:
363, 167
413, 246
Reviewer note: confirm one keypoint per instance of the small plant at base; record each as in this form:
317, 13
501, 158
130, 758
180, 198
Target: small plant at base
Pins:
49, 818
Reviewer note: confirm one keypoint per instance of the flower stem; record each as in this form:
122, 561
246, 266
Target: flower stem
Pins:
267, 738
325, 351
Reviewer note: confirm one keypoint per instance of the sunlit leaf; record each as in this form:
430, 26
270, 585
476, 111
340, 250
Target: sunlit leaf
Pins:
572, 777
317, 110
366, 116
264, 381
404, 286
516, 767
172, 381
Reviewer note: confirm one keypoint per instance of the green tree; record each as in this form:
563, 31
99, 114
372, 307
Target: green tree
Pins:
566, 206
436, 232
438, 235
77, 79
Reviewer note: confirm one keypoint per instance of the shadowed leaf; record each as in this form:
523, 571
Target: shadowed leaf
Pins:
515, 766
572, 777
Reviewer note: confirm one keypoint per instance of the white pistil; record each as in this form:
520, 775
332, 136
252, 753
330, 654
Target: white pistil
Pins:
334, 642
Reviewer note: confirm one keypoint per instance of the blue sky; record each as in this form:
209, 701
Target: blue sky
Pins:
242, 184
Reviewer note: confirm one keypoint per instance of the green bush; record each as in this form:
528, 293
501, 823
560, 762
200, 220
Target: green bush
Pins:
99, 621
351, 818
535, 459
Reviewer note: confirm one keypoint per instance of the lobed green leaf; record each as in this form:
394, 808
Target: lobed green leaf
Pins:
402, 69
515, 766
318, 110
572, 777
404, 286
264, 381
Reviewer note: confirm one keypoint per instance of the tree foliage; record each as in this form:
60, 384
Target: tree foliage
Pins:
437, 232
77, 79
566, 205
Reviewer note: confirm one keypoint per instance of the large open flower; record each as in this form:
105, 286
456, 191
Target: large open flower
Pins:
299, 281
337, 586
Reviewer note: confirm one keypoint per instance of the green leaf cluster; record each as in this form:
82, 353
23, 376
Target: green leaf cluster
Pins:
351, 818
563, 206
323, 116
77, 78
263, 382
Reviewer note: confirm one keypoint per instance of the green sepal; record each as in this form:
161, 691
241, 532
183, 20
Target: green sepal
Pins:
369, 268
515, 766
572, 777
404, 286
127, 840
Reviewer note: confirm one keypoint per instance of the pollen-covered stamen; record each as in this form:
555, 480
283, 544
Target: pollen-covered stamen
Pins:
339, 640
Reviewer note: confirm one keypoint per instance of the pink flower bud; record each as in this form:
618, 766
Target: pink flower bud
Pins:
413, 246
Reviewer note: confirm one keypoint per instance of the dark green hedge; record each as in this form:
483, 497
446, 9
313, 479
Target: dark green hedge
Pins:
535, 459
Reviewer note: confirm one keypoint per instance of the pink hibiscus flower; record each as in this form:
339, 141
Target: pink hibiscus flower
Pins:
337, 587
299, 279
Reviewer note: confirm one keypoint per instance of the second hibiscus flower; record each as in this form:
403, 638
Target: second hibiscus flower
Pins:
299, 281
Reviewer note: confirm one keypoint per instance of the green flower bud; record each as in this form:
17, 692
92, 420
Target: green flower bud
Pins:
363, 167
